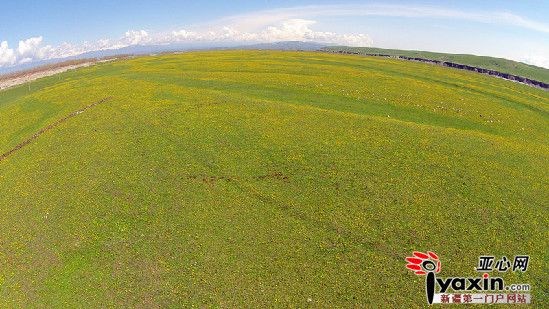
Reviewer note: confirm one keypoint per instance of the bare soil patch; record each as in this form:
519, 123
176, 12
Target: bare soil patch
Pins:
11, 80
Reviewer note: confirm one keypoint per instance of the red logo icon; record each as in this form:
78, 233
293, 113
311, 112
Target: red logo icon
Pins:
423, 263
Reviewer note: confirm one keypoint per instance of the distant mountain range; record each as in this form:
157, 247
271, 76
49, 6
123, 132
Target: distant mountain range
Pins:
497, 65
152, 49
287, 45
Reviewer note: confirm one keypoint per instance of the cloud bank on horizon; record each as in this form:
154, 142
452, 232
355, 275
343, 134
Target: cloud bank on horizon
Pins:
287, 30
287, 24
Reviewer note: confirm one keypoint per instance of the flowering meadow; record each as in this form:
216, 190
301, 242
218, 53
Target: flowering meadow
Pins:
266, 179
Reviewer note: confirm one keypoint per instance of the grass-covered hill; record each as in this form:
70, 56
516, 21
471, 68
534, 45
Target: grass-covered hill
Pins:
266, 179
496, 64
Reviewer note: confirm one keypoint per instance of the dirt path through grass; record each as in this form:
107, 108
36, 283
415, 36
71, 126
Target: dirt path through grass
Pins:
3, 156
8, 82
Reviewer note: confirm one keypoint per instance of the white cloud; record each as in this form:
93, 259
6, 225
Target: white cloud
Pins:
257, 20
7, 55
25, 60
29, 46
31, 49
299, 30
178, 36
286, 24
521, 22
291, 29
134, 38
537, 60
287, 30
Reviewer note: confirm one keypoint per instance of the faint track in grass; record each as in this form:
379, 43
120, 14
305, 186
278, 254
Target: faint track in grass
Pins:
51, 126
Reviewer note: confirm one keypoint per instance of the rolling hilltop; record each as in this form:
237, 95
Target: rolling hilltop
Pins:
496, 64
266, 179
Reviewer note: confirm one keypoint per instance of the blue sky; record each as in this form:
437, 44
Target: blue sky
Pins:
37, 30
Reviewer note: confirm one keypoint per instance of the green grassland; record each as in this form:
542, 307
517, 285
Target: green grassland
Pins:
267, 179
496, 64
